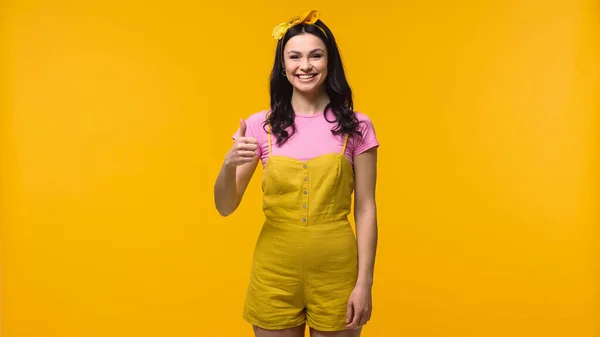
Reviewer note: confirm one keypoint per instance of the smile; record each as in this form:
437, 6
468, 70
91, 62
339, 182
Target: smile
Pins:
306, 76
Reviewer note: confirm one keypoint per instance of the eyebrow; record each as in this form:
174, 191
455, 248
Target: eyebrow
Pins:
312, 51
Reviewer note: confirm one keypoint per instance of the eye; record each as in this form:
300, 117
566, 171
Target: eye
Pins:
293, 57
317, 56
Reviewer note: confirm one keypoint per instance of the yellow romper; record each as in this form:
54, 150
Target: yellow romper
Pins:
305, 261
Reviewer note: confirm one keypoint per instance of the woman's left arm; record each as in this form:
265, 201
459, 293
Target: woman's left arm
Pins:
365, 215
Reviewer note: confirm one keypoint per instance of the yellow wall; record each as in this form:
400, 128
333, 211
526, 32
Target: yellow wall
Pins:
116, 116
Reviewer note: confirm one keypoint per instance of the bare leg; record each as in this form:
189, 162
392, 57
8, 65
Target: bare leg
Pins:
343, 333
292, 332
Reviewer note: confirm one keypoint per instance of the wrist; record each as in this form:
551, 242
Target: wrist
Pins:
364, 283
228, 166
227, 161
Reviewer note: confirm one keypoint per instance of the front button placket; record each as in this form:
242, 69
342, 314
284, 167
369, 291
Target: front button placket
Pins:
304, 201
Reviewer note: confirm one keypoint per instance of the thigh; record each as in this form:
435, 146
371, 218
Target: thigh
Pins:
274, 296
342, 333
330, 274
292, 332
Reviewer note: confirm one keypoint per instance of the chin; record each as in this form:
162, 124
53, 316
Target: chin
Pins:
307, 88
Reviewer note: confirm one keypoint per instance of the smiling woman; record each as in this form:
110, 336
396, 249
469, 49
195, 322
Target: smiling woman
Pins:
308, 267
308, 48
115, 119
306, 69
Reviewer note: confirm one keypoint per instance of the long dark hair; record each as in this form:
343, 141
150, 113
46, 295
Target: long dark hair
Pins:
341, 105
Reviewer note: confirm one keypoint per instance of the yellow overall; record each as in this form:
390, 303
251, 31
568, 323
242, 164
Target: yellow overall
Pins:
305, 260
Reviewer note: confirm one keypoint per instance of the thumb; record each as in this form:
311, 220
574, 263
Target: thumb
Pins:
349, 312
242, 128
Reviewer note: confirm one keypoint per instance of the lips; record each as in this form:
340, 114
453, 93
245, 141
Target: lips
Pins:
306, 76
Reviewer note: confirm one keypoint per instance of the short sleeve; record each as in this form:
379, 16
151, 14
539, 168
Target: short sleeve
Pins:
369, 137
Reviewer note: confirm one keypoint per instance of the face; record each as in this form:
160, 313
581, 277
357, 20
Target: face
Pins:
305, 59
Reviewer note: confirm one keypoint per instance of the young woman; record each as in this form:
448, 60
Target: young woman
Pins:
308, 266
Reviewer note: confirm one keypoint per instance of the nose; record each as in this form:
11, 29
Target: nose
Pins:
306, 66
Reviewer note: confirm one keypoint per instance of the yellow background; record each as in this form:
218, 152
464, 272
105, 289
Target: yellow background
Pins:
116, 116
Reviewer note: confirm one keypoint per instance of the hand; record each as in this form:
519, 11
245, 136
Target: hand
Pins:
359, 307
243, 149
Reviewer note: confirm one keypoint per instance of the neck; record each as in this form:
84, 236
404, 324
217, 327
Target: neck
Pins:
309, 103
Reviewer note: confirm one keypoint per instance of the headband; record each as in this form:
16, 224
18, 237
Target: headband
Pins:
308, 18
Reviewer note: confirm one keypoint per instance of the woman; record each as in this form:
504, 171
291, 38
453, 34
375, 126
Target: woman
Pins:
308, 267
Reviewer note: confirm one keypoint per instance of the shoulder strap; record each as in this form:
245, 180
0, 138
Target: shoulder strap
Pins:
345, 144
269, 135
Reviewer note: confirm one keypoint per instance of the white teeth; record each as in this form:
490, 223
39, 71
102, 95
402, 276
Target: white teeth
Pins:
305, 77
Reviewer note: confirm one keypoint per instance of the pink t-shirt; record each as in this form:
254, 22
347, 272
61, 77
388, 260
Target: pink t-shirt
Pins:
312, 138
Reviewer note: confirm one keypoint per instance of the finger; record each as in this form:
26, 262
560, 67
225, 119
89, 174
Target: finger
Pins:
358, 316
242, 128
355, 323
365, 318
247, 154
248, 140
349, 313
246, 147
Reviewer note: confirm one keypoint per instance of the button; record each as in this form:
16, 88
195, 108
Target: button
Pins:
304, 166
303, 219
304, 206
305, 178
305, 192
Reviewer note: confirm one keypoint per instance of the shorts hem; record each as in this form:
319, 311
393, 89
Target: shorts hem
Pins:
326, 328
267, 326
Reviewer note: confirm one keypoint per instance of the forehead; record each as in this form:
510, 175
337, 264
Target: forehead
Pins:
304, 43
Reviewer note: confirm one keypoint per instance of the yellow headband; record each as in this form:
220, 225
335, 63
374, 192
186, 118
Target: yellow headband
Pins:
306, 18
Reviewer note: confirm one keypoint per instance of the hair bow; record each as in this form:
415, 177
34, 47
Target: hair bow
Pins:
306, 18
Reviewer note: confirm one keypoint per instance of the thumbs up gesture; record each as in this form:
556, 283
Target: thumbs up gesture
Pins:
243, 149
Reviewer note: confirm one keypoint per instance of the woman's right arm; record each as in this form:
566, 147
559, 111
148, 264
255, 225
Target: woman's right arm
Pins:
235, 174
